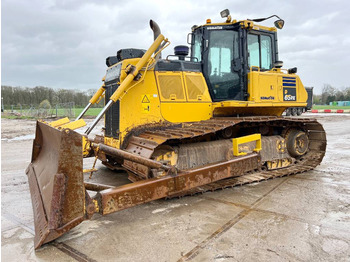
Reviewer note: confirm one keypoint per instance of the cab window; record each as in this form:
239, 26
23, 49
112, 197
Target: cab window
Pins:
260, 51
197, 47
253, 51
266, 52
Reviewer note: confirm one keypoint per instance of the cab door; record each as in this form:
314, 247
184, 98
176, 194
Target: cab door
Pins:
222, 66
264, 85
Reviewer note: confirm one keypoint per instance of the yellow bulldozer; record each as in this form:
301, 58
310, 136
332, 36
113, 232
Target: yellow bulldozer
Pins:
178, 126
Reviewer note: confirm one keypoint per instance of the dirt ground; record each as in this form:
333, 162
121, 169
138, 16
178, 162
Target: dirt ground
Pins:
305, 217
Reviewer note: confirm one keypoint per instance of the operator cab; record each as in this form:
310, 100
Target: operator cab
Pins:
229, 51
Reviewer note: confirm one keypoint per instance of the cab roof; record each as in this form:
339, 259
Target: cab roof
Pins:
248, 24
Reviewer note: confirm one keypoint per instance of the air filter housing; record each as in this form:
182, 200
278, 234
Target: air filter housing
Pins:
181, 51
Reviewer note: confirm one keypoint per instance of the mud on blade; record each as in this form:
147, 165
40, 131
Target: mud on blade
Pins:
56, 182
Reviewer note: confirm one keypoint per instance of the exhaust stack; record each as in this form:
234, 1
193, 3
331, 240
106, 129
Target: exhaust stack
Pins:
156, 32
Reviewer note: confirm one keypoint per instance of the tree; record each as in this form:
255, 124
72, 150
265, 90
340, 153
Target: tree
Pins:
347, 94
339, 96
316, 99
34, 96
328, 94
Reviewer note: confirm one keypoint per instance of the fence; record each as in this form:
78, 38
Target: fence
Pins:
46, 111
63, 109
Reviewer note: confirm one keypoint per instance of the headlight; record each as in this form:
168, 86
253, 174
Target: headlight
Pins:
113, 73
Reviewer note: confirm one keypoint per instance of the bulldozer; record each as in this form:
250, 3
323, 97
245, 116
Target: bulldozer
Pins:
206, 118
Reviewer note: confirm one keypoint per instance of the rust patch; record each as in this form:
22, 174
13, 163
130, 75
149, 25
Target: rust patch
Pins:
112, 200
56, 182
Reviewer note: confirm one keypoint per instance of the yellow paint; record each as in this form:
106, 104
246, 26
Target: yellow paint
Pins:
279, 163
195, 87
132, 111
244, 24
146, 108
268, 87
170, 86
183, 97
145, 103
265, 89
188, 100
64, 123
59, 122
166, 155
97, 207
141, 63
245, 139
89, 170
74, 125
113, 142
97, 96
86, 146
180, 96
186, 112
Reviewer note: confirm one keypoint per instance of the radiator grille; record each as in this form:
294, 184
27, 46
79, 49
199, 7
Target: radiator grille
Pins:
112, 115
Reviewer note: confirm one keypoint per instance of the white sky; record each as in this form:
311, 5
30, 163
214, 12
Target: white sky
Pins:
64, 44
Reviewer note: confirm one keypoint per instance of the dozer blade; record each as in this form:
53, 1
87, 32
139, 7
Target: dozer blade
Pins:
56, 182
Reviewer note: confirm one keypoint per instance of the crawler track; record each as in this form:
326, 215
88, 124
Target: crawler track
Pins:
146, 142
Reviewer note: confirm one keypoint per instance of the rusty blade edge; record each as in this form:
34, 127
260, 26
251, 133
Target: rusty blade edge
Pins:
112, 200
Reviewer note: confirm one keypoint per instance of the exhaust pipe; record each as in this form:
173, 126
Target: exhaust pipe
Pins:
156, 32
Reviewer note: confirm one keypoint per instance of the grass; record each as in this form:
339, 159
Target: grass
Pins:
15, 117
329, 107
90, 112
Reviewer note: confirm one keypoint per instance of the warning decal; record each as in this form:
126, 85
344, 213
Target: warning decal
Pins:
145, 99
146, 104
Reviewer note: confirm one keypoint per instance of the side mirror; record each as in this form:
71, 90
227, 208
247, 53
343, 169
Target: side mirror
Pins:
279, 23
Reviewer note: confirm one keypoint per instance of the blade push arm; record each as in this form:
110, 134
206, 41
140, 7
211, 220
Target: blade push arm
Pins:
93, 100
